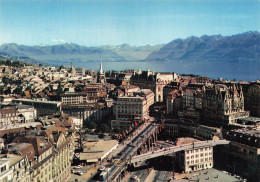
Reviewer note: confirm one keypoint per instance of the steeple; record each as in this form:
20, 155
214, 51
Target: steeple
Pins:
101, 69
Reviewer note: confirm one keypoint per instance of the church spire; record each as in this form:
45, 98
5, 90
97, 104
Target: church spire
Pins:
101, 69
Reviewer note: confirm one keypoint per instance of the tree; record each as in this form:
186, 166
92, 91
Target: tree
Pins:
91, 125
101, 135
62, 67
117, 130
104, 128
114, 137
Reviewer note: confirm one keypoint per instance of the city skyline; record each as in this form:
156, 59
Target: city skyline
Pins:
96, 23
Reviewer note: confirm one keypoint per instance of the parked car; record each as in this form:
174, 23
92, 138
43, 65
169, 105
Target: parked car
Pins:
77, 167
135, 179
102, 168
78, 173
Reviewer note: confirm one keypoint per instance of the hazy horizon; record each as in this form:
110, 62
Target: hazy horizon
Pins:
62, 43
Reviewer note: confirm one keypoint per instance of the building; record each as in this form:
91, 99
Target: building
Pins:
19, 165
195, 159
90, 94
16, 113
176, 128
223, 105
77, 97
43, 107
95, 151
242, 156
8, 115
6, 172
174, 102
253, 99
101, 75
89, 111
153, 81
49, 150
135, 106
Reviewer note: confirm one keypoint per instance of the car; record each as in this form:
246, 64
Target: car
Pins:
102, 168
78, 173
135, 179
77, 167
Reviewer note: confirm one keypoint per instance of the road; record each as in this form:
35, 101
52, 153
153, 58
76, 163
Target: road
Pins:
173, 149
131, 148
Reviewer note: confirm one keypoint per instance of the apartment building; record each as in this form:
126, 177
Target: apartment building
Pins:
195, 159
135, 106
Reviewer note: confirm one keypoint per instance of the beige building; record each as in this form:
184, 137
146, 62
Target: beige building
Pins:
154, 81
49, 150
195, 159
135, 106
6, 172
223, 104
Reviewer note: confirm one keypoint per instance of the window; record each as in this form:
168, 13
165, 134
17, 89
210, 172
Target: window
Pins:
3, 168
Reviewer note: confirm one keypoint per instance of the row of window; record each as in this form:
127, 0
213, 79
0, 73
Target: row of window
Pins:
197, 161
197, 150
199, 155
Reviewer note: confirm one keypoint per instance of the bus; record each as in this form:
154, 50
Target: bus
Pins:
104, 174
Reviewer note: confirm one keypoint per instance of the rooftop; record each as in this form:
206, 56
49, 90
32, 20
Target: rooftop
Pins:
93, 151
186, 140
212, 175
12, 158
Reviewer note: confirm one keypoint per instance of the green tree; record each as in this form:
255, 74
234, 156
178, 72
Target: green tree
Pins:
101, 135
91, 125
117, 130
104, 128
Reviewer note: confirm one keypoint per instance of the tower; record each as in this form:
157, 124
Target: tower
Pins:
101, 76
72, 70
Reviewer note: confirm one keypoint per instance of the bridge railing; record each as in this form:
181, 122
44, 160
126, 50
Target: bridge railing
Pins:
174, 149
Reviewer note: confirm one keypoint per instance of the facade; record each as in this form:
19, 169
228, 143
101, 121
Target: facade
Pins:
77, 97
43, 107
13, 113
6, 172
253, 99
43, 154
133, 107
175, 128
242, 156
222, 104
88, 112
174, 102
154, 81
8, 115
194, 159
20, 167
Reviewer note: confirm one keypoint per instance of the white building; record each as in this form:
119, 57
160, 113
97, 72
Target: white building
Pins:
6, 172
195, 159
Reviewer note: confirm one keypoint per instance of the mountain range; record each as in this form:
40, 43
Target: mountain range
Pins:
244, 47
66, 53
240, 47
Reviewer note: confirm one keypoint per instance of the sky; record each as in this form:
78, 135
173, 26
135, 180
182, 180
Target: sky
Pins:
115, 22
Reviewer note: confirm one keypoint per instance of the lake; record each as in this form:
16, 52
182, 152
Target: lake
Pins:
247, 71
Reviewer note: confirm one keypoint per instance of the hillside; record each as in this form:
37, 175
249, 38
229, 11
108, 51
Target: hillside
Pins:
241, 47
66, 53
